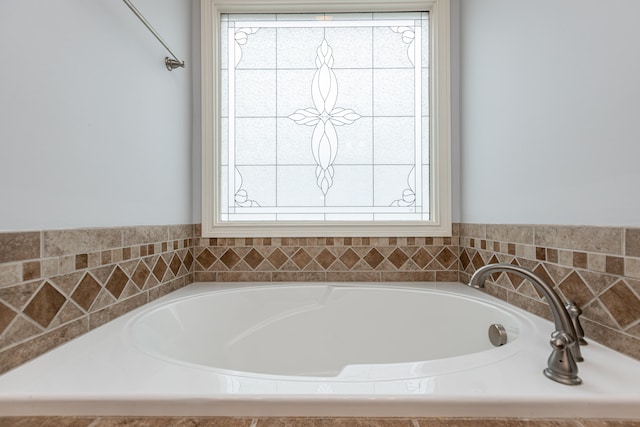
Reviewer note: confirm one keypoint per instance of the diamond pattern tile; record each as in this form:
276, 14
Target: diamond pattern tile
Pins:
159, 269
595, 311
373, 258
349, 258
86, 292
301, 258
6, 316
229, 258
398, 258
422, 258
622, 303
277, 258
140, 275
175, 264
17, 296
206, 258
573, 287
446, 257
119, 279
464, 259
325, 258
477, 261
188, 260
542, 272
45, 305
253, 258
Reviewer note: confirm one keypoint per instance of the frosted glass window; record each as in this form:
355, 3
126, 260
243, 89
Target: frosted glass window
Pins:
324, 117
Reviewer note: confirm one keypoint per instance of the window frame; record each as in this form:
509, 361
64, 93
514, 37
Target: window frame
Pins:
439, 122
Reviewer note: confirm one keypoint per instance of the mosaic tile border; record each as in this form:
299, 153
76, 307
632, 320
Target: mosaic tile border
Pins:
598, 267
333, 259
58, 284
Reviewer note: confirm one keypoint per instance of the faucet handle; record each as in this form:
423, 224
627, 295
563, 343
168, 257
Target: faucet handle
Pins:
575, 312
561, 366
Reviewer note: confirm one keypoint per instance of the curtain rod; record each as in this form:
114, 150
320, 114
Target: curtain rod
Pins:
171, 63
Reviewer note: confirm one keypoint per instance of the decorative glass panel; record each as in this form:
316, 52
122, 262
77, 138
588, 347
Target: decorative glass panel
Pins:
324, 117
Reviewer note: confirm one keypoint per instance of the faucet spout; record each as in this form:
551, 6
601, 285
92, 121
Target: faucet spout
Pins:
562, 365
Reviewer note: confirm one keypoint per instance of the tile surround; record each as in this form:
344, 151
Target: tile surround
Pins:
598, 267
368, 259
58, 284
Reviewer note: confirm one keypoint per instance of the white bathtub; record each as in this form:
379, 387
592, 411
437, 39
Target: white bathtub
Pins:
304, 350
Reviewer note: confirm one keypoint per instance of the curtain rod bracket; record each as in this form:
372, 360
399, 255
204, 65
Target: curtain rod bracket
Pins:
170, 63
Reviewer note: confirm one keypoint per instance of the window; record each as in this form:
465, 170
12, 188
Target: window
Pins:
325, 120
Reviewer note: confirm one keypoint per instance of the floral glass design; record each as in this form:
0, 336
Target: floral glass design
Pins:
324, 117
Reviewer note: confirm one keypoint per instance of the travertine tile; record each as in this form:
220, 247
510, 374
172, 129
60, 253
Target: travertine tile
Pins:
181, 231
612, 338
86, 292
580, 260
531, 305
10, 273
67, 264
606, 240
335, 422
298, 276
409, 276
574, 288
510, 233
18, 330
109, 313
95, 259
305, 422
598, 313
31, 270
144, 235
632, 242
596, 262
352, 276
166, 288
45, 305
609, 423
632, 267
46, 421
6, 316
565, 258
495, 422
79, 241
19, 246
473, 230
19, 354
622, 303
598, 282
634, 330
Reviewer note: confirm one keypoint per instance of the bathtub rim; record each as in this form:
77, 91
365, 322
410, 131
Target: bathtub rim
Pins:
532, 396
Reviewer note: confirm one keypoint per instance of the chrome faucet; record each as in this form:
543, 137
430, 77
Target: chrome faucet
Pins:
562, 366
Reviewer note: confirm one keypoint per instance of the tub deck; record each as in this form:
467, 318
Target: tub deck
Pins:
101, 374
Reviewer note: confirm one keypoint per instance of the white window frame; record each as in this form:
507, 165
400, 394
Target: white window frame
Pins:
439, 126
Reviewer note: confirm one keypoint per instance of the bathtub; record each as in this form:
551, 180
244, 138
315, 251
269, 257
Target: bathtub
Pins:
319, 350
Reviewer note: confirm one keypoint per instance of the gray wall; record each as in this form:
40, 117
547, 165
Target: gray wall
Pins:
94, 130
550, 111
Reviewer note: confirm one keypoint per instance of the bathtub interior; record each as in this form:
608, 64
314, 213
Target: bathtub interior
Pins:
320, 331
